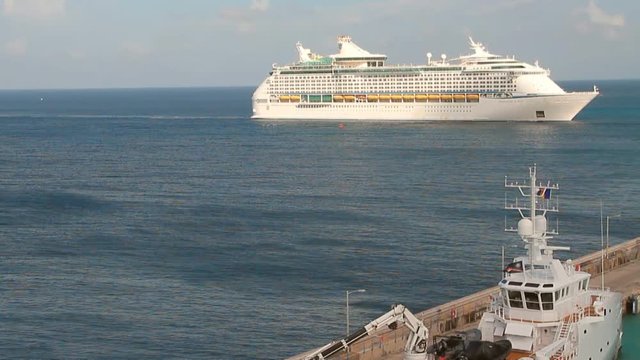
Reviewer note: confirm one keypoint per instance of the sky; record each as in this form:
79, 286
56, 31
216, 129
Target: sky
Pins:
60, 44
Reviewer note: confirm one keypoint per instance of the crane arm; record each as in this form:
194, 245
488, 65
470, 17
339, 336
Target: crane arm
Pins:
398, 314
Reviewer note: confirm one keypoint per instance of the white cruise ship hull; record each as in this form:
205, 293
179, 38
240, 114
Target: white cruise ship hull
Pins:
560, 107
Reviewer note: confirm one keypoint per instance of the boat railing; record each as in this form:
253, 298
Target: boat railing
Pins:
497, 308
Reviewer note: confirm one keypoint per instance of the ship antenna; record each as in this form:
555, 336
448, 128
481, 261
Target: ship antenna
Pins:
532, 228
601, 248
532, 175
532, 213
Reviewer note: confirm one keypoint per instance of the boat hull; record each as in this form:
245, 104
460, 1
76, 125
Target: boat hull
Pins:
560, 107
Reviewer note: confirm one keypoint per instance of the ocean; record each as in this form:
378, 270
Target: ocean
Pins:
164, 223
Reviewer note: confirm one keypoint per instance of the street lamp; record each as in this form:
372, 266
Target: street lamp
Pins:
351, 292
603, 248
610, 217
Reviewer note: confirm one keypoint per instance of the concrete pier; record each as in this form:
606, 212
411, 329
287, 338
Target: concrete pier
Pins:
622, 274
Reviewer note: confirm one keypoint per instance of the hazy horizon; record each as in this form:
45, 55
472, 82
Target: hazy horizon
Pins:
73, 44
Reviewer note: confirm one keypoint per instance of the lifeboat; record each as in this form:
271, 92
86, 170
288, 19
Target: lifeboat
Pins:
384, 97
294, 98
396, 98
372, 98
433, 97
458, 97
349, 98
445, 97
408, 97
284, 98
473, 97
421, 97
338, 98
312, 98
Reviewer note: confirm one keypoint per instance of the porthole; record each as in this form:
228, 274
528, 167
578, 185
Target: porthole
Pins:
585, 331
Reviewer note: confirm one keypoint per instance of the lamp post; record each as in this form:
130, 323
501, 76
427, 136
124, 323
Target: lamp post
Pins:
351, 292
610, 217
603, 248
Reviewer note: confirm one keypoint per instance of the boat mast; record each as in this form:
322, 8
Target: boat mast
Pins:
532, 190
532, 228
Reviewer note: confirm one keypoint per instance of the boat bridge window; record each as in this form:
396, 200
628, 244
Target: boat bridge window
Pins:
547, 285
535, 267
547, 301
515, 299
533, 303
584, 284
531, 285
515, 283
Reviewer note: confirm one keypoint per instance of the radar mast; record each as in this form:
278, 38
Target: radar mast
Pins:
533, 200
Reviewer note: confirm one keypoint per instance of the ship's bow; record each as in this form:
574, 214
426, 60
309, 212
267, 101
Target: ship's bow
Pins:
569, 105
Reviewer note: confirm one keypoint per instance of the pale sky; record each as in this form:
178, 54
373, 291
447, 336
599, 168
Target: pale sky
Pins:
166, 43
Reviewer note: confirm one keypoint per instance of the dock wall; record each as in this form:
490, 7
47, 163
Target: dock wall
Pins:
465, 313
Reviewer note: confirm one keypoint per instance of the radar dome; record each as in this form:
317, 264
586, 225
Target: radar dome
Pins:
525, 227
541, 224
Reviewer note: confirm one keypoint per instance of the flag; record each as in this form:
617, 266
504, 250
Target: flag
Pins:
514, 267
544, 193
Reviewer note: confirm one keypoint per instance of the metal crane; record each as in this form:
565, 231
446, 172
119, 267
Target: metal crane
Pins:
414, 349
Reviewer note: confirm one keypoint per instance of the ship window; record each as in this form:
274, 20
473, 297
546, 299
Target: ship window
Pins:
547, 285
515, 299
533, 303
540, 114
531, 285
547, 301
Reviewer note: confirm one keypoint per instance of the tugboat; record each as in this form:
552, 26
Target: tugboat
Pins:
546, 308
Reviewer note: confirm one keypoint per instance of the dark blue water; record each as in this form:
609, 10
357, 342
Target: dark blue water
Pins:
163, 223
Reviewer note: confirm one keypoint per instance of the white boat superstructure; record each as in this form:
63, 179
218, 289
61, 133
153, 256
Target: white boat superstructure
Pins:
546, 308
355, 84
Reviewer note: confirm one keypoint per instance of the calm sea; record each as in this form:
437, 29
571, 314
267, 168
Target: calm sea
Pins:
163, 223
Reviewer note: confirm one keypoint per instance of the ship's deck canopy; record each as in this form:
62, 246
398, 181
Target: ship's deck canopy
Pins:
350, 51
481, 56
350, 55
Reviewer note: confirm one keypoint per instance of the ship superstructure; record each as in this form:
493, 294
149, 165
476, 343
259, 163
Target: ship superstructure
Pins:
546, 308
355, 84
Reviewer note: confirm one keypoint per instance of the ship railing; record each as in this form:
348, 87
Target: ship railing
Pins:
552, 349
582, 92
501, 311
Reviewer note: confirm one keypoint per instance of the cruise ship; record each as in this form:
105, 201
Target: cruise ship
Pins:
356, 85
